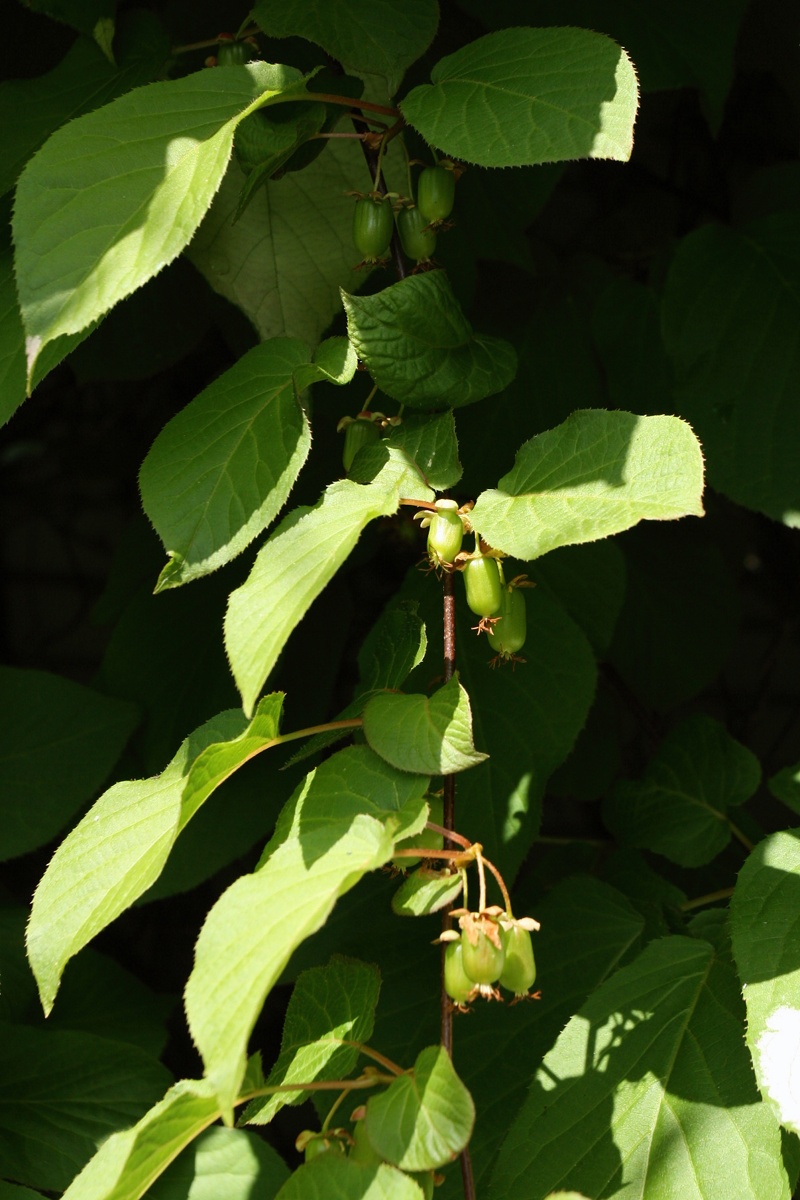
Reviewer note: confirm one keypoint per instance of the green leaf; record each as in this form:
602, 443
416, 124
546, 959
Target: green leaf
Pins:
300, 558
649, 1083
589, 581
10, 1191
279, 135
341, 822
58, 742
85, 79
394, 646
354, 32
12, 342
83, 15
419, 347
284, 261
129, 1162
425, 1117
61, 1093
597, 474
98, 996
430, 442
766, 946
679, 806
785, 786
330, 1006
229, 1163
335, 361
220, 759
523, 96
219, 471
116, 194
432, 736
331, 1177
671, 641
739, 391
127, 836
426, 891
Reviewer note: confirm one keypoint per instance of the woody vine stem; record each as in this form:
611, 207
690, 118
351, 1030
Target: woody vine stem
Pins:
373, 157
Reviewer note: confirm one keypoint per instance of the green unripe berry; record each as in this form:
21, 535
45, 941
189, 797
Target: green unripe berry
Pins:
372, 228
507, 636
457, 983
436, 193
445, 533
484, 589
519, 969
482, 960
417, 240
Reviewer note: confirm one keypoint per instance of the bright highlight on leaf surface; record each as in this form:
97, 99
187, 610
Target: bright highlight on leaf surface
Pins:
523, 96
116, 195
595, 475
650, 1082
766, 945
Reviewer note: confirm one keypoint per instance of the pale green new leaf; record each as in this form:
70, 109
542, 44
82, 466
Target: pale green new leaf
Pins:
679, 806
425, 1117
300, 558
523, 96
420, 348
126, 836
649, 1092
372, 37
63, 1092
332, 1177
219, 471
341, 822
330, 1006
129, 1162
766, 945
283, 262
431, 735
595, 475
115, 195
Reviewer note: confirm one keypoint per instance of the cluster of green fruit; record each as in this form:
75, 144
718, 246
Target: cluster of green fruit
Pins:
492, 948
417, 223
500, 605
357, 1147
